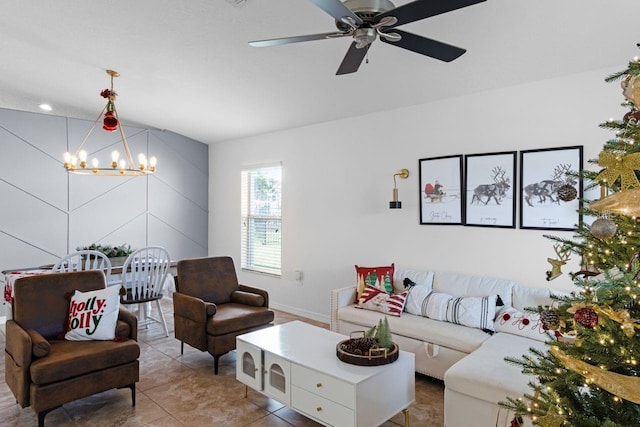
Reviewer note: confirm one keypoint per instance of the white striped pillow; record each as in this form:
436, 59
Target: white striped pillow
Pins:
475, 312
378, 300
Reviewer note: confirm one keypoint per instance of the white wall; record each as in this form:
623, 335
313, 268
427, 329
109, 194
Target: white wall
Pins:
338, 184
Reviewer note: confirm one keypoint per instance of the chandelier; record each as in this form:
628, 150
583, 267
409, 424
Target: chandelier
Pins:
120, 166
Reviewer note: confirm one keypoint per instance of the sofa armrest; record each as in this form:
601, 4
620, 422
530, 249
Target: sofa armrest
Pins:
247, 298
130, 319
40, 347
192, 308
340, 298
18, 345
253, 290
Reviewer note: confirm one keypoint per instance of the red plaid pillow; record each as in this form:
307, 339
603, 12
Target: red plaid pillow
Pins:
377, 300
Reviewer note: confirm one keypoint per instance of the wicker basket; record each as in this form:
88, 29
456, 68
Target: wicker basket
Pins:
382, 357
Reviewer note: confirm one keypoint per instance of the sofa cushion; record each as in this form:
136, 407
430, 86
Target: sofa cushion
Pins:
419, 277
456, 337
485, 375
378, 300
68, 359
232, 317
525, 324
524, 297
463, 285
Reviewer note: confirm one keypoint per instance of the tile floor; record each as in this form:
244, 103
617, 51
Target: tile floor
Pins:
181, 390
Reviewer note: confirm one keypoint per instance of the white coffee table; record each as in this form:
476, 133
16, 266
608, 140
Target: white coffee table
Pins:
296, 364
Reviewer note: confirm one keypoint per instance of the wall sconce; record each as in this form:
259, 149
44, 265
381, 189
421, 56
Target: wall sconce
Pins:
395, 203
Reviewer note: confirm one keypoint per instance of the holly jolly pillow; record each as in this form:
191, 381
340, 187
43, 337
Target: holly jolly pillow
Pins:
93, 315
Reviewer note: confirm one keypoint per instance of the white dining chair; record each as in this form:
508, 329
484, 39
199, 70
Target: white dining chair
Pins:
143, 275
84, 260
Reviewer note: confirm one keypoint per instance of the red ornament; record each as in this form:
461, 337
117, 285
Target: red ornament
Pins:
586, 317
635, 115
110, 123
105, 93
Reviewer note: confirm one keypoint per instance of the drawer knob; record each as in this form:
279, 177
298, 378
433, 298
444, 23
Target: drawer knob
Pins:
265, 372
319, 408
319, 385
255, 369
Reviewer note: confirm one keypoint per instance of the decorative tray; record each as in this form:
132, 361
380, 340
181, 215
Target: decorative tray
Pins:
380, 356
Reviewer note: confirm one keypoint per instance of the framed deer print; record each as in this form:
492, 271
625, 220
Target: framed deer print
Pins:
490, 189
441, 190
549, 191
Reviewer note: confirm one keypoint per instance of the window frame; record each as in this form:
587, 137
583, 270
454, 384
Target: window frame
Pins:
248, 248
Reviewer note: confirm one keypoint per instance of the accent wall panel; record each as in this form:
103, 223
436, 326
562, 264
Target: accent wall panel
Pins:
48, 213
29, 167
184, 173
181, 244
171, 207
29, 219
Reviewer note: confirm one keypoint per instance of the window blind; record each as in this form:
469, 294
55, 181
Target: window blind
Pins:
261, 219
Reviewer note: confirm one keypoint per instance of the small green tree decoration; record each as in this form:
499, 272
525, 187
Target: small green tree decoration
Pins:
382, 333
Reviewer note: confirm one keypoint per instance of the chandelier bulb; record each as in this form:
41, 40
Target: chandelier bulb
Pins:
94, 162
123, 165
82, 156
74, 162
142, 161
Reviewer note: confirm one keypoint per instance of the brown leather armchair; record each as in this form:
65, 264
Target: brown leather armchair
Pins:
42, 369
211, 309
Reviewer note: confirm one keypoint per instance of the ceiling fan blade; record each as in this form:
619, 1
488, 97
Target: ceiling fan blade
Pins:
338, 10
297, 39
429, 47
421, 9
352, 59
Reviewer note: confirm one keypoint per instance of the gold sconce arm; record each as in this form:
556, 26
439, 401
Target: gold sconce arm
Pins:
395, 203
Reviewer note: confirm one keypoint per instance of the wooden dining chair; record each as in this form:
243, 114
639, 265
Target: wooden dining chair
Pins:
144, 274
82, 261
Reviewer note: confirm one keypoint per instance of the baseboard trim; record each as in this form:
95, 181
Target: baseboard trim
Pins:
298, 312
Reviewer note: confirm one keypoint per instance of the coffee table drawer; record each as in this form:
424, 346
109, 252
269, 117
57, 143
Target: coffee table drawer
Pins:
323, 385
321, 409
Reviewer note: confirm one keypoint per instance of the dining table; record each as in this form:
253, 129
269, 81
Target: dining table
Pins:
8, 279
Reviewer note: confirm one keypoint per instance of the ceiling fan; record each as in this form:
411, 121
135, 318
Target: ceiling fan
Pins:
366, 20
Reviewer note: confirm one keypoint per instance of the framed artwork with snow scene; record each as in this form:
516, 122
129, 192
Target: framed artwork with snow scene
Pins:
550, 191
441, 190
490, 189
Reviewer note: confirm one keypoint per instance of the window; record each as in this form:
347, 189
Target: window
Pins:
262, 219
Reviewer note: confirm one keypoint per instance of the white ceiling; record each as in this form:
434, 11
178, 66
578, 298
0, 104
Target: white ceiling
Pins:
186, 66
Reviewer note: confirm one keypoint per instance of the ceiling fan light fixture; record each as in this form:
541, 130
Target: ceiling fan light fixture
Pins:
364, 37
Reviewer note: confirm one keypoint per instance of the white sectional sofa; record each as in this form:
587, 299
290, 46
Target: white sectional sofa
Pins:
469, 360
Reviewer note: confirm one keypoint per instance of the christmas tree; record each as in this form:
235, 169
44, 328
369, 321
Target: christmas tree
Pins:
589, 375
